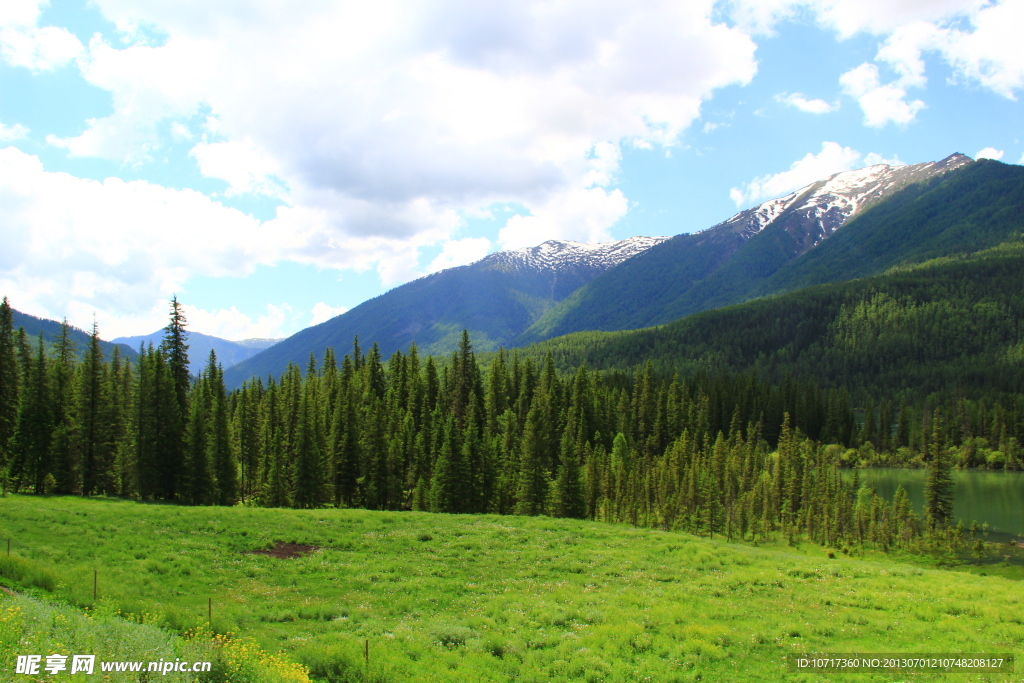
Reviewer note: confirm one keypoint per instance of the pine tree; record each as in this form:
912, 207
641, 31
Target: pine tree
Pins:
532, 490
172, 456
309, 485
569, 495
35, 424
152, 397
222, 454
938, 487
275, 486
246, 420
447, 484
9, 393
95, 443
122, 392
345, 439
196, 485
64, 453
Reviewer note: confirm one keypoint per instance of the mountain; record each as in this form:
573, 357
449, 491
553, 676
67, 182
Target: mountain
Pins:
51, 331
950, 326
228, 353
732, 261
496, 299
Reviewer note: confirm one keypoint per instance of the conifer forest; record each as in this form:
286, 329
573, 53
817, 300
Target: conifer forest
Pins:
725, 455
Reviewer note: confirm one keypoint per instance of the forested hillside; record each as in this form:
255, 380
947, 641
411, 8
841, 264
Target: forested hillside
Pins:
52, 331
951, 325
976, 206
973, 209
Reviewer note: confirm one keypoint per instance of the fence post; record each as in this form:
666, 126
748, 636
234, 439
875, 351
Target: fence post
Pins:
366, 652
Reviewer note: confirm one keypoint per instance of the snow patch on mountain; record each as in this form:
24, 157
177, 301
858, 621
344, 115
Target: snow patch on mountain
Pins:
814, 212
561, 254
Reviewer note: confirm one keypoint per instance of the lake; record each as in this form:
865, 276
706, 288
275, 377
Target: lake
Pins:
993, 497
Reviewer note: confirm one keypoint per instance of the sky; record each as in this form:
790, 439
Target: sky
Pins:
273, 164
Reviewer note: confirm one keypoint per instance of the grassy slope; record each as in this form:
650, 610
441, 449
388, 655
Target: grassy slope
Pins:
475, 598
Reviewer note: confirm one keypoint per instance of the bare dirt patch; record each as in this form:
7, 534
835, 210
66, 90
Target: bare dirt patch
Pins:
286, 550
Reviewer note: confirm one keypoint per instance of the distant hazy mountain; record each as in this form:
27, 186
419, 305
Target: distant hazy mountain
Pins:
199, 345
496, 299
51, 333
734, 260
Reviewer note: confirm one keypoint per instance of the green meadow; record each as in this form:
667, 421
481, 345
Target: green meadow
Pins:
436, 597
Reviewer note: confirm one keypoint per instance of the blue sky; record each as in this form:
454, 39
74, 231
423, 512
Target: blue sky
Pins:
276, 163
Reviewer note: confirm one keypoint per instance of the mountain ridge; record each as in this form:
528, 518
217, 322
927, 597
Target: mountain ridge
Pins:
495, 299
723, 264
228, 352
50, 329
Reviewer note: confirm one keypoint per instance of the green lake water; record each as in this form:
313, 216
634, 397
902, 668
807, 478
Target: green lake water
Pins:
993, 497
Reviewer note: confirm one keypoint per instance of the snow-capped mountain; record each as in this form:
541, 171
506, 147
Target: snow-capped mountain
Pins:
816, 211
495, 298
516, 297
560, 254
758, 251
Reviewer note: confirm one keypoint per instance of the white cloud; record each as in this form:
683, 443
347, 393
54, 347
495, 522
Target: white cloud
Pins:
990, 55
832, 158
148, 85
230, 323
390, 117
849, 17
873, 159
245, 167
74, 246
584, 215
15, 132
803, 104
322, 313
460, 253
881, 104
379, 127
978, 39
990, 153
23, 43
1021, 160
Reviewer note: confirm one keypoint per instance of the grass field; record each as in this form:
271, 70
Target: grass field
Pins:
487, 598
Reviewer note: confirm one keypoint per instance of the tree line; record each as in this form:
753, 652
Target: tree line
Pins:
715, 454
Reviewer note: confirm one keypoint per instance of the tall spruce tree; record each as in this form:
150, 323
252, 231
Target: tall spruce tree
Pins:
9, 395
309, 482
64, 453
35, 424
938, 486
532, 489
222, 454
175, 348
122, 393
196, 485
95, 442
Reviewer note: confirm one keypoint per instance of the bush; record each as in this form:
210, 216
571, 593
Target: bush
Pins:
25, 573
